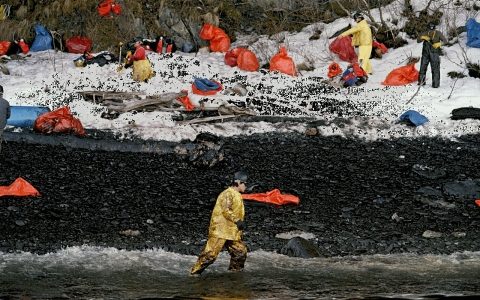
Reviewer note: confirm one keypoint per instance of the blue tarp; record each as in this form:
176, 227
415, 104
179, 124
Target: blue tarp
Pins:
43, 40
414, 116
473, 33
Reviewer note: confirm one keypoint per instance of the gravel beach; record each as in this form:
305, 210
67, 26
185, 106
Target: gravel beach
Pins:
356, 197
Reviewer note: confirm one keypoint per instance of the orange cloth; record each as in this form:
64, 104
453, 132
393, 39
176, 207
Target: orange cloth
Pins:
20, 187
273, 197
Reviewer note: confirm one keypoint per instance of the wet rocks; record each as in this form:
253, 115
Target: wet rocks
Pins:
300, 247
356, 197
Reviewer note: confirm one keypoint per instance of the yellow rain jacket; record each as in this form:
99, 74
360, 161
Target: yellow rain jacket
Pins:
228, 210
362, 37
142, 70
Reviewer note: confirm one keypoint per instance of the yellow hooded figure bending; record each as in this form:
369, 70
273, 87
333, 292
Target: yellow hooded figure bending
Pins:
361, 37
226, 225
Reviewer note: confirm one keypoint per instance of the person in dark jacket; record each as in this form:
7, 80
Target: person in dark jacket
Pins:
4, 115
432, 41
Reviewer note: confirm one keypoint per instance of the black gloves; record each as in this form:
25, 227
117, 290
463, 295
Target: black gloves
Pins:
240, 225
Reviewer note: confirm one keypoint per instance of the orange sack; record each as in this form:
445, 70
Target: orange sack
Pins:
247, 61
20, 187
219, 40
272, 197
283, 63
60, 121
402, 76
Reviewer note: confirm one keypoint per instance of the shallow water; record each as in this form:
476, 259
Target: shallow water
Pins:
107, 273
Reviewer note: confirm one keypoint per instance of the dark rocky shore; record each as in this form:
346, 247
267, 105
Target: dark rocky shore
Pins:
357, 197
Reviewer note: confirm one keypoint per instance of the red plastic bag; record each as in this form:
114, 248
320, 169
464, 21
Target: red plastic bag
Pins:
247, 61
59, 121
4, 45
343, 47
359, 71
105, 8
116, 8
78, 44
197, 91
219, 40
24, 46
186, 101
273, 197
232, 56
334, 69
477, 202
401, 76
283, 63
382, 47
20, 187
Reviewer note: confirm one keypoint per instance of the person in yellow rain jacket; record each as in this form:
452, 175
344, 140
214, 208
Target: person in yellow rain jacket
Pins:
226, 225
432, 41
361, 37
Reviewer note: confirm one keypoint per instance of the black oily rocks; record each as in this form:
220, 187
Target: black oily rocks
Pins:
356, 197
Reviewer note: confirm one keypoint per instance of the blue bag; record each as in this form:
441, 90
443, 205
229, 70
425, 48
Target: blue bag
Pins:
43, 40
204, 84
414, 116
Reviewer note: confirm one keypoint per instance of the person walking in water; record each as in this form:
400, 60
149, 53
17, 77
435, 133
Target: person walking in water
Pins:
226, 225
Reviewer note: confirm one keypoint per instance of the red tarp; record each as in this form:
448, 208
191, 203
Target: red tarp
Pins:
272, 197
283, 63
60, 121
401, 76
343, 47
20, 187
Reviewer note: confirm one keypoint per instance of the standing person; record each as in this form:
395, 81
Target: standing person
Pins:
432, 41
226, 225
361, 37
141, 65
4, 115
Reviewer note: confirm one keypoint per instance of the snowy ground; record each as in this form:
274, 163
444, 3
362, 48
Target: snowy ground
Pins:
371, 111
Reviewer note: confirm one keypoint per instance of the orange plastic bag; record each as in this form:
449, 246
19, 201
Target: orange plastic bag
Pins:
4, 45
334, 69
477, 202
186, 101
24, 46
343, 47
272, 197
247, 61
59, 121
20, 187
219, 40
401, 76
283, 63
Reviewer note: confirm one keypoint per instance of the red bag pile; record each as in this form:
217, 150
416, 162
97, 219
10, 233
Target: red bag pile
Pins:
243, 58
283, 63
58, 121
219, 40
78, 44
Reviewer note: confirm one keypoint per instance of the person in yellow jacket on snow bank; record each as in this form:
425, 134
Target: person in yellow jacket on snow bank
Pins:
226, 225
361, 37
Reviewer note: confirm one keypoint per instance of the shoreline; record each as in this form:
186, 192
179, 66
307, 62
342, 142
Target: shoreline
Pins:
356, 197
